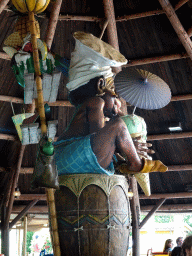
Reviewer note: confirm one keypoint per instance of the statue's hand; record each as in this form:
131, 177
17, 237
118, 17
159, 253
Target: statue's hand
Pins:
143, 148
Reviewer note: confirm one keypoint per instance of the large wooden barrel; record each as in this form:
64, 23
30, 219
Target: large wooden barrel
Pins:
93, 215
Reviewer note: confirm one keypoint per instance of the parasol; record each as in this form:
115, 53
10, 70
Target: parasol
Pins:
142, 89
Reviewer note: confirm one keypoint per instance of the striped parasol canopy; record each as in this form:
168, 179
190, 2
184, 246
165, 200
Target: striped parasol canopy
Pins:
142, 89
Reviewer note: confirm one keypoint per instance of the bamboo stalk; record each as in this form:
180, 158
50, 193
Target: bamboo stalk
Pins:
37, 73
53, 23
53, 220
50, 192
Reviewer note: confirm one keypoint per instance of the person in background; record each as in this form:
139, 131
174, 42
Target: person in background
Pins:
187, 246
168, 245
179, 241
177, 251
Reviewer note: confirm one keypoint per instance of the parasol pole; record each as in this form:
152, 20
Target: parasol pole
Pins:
50, 192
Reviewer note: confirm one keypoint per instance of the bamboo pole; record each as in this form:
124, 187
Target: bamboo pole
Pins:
3, 4
37, 73
53, 220
53, 23
50, 192
182, 34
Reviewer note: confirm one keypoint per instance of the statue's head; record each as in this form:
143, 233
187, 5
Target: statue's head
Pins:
90, 70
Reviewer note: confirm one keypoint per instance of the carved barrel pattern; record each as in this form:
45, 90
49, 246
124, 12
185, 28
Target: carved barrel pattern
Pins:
93, 215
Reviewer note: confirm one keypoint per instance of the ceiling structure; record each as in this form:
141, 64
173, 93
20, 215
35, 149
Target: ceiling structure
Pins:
152, 37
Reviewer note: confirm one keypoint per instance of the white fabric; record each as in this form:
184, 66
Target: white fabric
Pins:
86, 64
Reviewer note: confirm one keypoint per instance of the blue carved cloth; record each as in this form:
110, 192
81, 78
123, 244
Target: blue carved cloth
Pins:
75, 155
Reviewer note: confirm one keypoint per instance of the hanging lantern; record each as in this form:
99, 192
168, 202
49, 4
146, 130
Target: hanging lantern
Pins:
25, 6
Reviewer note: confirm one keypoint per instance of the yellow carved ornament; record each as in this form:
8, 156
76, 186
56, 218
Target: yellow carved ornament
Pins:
26, 6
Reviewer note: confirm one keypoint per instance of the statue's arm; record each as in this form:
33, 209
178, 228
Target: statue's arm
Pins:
94, 114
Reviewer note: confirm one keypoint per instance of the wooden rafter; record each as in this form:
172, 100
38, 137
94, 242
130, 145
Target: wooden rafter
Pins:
182, 34
53, 23
164, 208
23, 212
15, 180
169, 208
3, 4
42, 197
171, 136
167, 195
153, 210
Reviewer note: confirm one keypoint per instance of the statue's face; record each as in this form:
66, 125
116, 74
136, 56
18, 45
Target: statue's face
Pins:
111, 106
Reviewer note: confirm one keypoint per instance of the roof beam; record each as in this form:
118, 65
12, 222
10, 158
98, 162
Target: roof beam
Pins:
42, 197
182, 34
58, 103
66, 103
171, 136
169, 208
167, 195
145, 208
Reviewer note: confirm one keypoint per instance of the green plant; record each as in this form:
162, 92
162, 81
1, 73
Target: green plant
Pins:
29, 239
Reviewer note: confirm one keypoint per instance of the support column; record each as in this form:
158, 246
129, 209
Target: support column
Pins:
111, 27
4, 233
135, 209
24, 236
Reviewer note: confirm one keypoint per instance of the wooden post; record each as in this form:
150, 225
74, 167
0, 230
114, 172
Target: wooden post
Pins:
182, 34
111, 27
24, 236
4, 233
135, 209
53, 23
